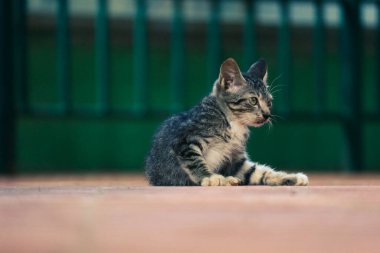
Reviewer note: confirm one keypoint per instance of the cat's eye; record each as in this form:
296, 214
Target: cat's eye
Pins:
254, 100
238, 102
269, 103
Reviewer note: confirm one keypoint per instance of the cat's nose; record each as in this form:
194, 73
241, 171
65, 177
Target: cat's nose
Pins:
266, 115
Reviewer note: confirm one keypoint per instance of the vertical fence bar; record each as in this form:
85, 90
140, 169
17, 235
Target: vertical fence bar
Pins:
7, 113
213, 40
351, 82
319, 58
284, 53
102, 57
63, 40
20, 52
139, 58
378, 56
177, 57
249, 36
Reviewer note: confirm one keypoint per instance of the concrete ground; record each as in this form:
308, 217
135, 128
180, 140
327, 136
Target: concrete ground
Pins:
121, 213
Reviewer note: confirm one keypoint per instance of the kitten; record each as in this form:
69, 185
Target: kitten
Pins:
207, 144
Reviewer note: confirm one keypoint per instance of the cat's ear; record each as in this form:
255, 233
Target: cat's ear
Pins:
259, 69
230, 76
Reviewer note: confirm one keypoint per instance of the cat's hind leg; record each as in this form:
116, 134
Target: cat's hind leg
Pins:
258, 174
265, 175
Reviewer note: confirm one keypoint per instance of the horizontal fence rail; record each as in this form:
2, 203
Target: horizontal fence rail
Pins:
350, 116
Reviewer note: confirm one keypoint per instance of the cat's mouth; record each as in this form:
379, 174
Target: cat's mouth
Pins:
259, 123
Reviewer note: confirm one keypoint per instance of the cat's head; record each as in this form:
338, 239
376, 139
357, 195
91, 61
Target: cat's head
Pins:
245, 94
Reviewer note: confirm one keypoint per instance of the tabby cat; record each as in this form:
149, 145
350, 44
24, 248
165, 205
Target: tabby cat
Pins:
207, 145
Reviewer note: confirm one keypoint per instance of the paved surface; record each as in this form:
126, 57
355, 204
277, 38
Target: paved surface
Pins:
123, 214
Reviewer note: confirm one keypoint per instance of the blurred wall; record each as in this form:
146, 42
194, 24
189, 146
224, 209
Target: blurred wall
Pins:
114, 144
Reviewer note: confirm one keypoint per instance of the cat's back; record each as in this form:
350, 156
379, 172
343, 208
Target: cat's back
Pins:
205, 119
161, 164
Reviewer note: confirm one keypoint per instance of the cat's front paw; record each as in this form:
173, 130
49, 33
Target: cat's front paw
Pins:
219, 180
233, 181
295, 179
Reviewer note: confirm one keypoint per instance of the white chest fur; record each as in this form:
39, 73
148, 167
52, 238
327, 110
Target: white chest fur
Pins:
219, 151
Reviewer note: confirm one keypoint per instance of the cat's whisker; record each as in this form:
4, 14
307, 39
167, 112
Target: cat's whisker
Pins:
274, 96
275, 117
274, 92
279, 85
276, 87
270, 125
274, 80
271, 88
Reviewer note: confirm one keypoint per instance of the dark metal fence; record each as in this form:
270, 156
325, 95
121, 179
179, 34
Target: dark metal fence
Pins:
14, 41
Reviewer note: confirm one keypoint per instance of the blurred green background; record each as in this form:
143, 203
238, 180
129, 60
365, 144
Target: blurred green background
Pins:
108, 144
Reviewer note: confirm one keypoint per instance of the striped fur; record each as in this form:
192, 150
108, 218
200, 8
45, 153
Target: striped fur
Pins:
206, 145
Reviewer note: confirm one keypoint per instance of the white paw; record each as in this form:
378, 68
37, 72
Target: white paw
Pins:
299, 179
302, 179
219, 180
233, 181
